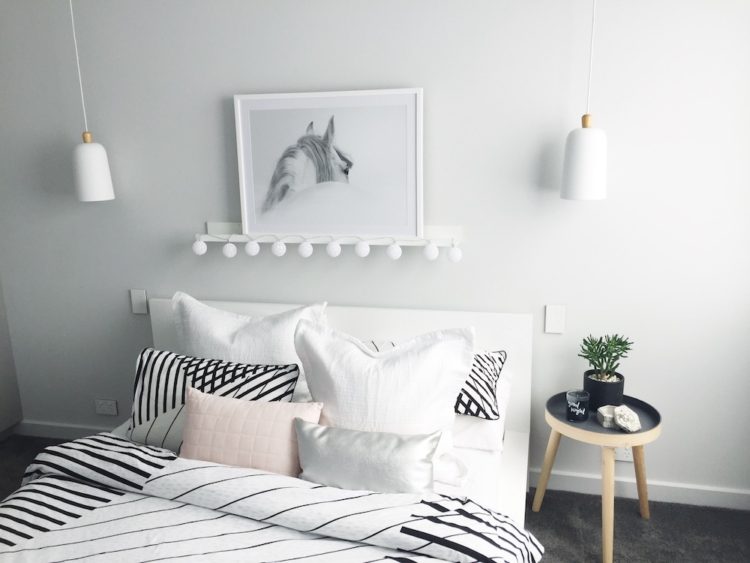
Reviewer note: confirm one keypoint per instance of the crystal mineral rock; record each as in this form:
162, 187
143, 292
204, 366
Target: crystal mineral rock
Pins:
606, 416
627, 419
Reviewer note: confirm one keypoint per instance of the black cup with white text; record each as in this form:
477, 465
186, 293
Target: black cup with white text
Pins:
578, 405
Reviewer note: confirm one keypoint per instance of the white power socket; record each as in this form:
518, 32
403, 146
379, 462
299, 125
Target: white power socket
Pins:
624, 454
105, 406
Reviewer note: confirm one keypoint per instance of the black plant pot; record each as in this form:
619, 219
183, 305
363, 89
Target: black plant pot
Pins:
602, 392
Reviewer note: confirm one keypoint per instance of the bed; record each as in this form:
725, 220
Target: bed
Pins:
115, 504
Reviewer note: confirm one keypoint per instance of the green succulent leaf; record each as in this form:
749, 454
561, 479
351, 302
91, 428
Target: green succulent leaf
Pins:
604, 353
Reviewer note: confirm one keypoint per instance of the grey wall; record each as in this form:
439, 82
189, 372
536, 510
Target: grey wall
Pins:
664, 259
10, 402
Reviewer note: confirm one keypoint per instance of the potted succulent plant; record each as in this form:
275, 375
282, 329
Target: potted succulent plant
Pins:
604, 384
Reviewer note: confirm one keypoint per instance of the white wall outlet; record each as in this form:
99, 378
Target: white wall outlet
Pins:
624, 454
105, 406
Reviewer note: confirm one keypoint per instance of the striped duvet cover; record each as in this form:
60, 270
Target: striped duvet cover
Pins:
104, 498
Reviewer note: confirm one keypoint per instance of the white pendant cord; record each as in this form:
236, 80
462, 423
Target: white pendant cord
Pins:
78, 64
591, 56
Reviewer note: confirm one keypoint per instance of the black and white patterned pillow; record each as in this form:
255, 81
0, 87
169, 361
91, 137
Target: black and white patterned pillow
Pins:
478, 396
479, 393
162, 378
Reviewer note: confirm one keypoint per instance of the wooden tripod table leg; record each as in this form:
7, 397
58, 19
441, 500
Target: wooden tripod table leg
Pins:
640, 478
608, 504
549, 460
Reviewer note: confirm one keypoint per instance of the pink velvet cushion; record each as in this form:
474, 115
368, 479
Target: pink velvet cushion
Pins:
244, 433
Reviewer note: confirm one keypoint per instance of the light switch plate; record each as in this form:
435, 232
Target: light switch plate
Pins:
139, 301
554, 319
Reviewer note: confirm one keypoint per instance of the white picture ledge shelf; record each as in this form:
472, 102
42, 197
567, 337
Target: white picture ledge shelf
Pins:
229, 234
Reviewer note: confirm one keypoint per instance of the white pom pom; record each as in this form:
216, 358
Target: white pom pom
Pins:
252, 248
305, 249
333, 249
200, 248
431, 251
393, 251
455, 254
362, 249
229, 250
278, 248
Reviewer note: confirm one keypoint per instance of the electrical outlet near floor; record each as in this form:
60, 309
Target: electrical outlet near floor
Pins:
624, 454
105, 406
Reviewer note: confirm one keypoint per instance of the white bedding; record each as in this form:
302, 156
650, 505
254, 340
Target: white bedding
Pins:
102, 498
452, 475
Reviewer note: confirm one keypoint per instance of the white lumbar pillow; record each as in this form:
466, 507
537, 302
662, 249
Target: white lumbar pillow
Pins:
406, 390
371, 461
207, 332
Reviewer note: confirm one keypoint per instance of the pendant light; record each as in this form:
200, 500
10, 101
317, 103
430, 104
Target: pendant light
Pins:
585, 164
93, 178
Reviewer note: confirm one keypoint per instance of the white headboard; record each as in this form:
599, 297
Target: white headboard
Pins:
494, 331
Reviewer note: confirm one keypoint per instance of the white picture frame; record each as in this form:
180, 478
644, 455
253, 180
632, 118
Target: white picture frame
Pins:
345, 163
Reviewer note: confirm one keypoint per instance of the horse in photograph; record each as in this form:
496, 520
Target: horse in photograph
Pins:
312, 160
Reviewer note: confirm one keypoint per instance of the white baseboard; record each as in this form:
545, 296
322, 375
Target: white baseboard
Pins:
58, 430
665, 491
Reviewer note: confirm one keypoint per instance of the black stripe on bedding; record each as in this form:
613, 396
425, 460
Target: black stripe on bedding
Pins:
44, 504
31, 489
94, 468
430, 539
335, 500
83, 483
138, 369
169, 429
508, 528
23, 522
112, 460
30, 512
129, 449
467, 530
32, 509
102, 459
14, 532
75, 493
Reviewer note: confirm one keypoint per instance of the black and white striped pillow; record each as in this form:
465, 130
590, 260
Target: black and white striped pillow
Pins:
162, 378
478, 396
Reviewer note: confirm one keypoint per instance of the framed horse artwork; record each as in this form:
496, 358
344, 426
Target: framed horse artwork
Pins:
331, 163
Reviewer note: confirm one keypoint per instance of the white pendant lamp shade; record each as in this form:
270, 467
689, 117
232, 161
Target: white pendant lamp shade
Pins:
585, 164
93, 178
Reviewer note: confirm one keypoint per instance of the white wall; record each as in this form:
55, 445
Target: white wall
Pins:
10, 402
664, 260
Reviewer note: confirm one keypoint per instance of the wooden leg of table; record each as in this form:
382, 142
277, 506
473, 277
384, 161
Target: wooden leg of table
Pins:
549, 460
640, 479
608, 504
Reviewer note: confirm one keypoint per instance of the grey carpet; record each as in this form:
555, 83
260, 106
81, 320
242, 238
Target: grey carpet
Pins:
569, 524
17, 452
569, 527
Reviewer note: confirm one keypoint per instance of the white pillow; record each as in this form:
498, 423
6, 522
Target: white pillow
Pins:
406, 390
372, 461
207, 332
472, 431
